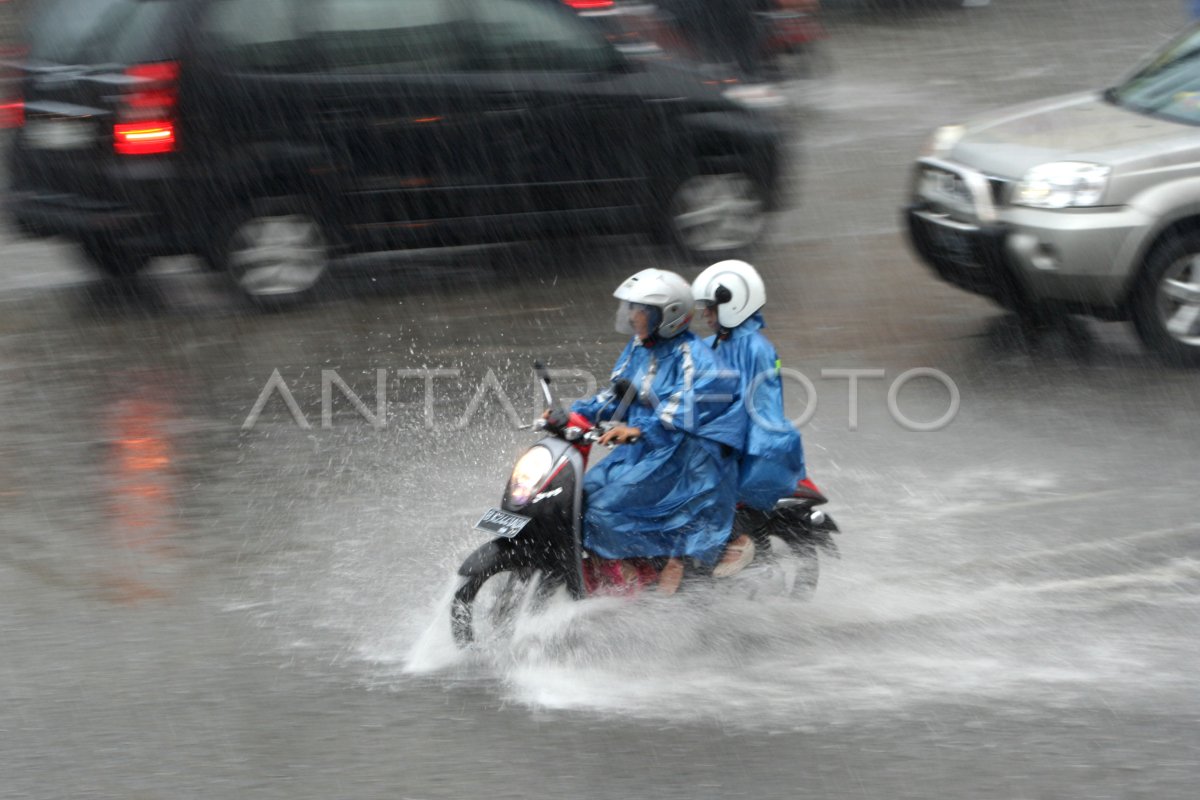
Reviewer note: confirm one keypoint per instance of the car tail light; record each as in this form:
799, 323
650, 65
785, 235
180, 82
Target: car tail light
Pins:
12, 105
146, 117
144, 138
12, 114
589, 5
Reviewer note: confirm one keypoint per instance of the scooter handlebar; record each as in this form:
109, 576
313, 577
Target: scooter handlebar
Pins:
593, 437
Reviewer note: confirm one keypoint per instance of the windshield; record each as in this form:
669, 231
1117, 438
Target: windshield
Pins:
1169, 85
97, 31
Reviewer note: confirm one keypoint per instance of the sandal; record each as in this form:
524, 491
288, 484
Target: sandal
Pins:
738, 554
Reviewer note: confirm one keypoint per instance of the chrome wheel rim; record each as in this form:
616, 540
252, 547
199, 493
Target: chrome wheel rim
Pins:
1179, 300
712, 213
278, 255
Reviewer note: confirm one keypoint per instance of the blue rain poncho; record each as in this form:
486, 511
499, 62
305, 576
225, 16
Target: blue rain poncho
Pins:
673, 492
773, 455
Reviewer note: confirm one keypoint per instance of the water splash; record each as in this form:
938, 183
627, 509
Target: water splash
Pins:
928, 606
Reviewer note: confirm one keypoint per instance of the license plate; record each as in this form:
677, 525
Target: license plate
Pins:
502, 523
59, 134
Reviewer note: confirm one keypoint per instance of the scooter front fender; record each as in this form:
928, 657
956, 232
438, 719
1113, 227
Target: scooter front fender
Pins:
551, 541
497, 555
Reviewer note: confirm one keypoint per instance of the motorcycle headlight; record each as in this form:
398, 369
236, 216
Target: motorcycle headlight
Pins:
1062, 184
531, 471
942, 141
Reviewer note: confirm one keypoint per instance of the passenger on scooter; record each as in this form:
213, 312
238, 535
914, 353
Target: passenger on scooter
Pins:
671, 489
721, 31
731, 296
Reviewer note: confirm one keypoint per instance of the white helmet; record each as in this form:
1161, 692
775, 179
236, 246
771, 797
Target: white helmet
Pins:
663, 290
734, 287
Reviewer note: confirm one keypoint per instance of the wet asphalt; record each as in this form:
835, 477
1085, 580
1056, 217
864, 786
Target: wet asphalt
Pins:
194, 606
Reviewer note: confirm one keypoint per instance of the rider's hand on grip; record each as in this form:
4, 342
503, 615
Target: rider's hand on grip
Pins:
621, 434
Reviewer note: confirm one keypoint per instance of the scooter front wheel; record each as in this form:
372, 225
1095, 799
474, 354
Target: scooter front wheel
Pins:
509, 588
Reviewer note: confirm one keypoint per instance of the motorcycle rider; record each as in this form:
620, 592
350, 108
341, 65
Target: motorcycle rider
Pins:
671, 490
724, 31
731, 295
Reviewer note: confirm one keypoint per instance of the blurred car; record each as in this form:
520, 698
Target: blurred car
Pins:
1088, 203
270, 136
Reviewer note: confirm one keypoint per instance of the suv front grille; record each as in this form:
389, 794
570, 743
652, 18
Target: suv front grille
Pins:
1001, 189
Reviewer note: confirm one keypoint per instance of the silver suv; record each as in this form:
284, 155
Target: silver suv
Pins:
1088, 203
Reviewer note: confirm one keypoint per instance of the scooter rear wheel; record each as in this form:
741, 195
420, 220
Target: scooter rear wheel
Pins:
803, 584
796, 562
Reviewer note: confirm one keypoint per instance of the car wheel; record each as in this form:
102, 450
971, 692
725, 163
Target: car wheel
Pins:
276, 252
716, 215
1166, 306
112, 259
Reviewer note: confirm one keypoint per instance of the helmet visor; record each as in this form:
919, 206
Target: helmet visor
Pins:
637, 319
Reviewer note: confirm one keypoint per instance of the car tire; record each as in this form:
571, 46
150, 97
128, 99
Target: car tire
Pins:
712, 216
113, 260
275, 251
1166, 302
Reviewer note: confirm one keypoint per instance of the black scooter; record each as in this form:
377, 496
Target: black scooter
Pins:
538, 527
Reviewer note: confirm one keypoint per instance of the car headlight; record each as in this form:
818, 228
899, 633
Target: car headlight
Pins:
758, 97
1062, 184
942, 141
530, 472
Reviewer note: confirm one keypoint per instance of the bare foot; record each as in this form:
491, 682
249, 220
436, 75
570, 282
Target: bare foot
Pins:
669, 578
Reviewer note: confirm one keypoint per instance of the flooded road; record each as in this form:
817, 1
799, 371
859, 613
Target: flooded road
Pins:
201, 601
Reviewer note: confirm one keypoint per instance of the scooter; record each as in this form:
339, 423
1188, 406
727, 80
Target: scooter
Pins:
538, 528
790, 36
792, 39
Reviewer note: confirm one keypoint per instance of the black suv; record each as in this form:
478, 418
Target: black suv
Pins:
271, 136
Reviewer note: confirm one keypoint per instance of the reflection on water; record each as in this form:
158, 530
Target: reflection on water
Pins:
140, 497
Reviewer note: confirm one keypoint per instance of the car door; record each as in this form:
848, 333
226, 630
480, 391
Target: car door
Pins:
408, 132
248, 104
594, 135
366, 99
